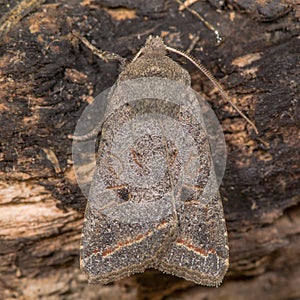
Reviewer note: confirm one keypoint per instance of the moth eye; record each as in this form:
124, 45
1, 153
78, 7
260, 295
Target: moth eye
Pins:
124, 194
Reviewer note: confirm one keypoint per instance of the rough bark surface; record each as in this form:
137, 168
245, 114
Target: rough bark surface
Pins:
47, 79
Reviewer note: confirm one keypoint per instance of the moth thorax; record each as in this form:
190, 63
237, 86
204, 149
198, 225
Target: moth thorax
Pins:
155, 66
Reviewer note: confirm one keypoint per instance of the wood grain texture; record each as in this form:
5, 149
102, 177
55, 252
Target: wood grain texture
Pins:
47, 79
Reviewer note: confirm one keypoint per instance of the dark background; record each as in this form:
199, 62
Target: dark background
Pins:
47, 78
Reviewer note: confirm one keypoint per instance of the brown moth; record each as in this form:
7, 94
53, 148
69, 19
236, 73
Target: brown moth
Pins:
149, 204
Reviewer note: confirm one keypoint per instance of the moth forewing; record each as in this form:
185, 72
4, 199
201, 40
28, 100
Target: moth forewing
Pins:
154, 199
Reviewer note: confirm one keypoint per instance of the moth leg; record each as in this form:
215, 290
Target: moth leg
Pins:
107, 57
104, 55
92, 134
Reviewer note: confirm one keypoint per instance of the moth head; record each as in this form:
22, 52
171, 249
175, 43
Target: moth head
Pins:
154, 46
152, 61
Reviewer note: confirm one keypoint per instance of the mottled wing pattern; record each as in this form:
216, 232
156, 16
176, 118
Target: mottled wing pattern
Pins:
117, 240
111, 250
175, 224
200, 252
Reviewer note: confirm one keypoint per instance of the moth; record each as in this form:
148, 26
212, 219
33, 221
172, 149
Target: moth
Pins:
154, 200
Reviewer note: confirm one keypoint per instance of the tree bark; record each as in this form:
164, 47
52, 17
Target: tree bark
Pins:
48, 78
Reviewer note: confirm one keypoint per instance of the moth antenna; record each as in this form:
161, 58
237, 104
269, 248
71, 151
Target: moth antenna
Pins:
137, 55
214, 81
